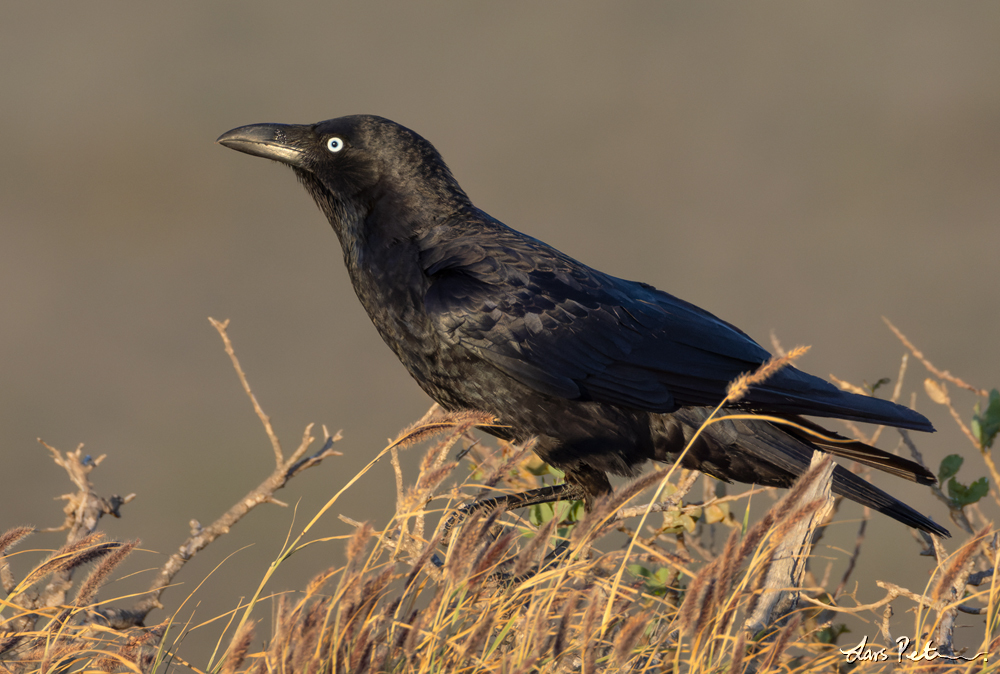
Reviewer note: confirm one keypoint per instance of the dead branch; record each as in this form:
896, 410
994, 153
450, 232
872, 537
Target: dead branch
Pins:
263, 493
201, 537
780, 588
941, 374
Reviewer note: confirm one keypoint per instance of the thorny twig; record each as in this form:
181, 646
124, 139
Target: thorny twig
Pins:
83, 512
941, 374
285, 470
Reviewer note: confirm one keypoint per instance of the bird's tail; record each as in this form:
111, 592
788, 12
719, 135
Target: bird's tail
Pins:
853, 487
846, 483
781, 452
838, 445
791, 391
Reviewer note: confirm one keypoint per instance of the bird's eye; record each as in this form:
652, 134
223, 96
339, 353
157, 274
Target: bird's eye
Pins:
335, 144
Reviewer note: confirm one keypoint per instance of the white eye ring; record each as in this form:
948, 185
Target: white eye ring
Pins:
335, 144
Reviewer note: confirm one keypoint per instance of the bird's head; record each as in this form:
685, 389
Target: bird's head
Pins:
353, 166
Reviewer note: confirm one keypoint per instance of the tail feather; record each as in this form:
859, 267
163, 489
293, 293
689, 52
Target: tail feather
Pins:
853, 487
791, 391
788, 451
860, 452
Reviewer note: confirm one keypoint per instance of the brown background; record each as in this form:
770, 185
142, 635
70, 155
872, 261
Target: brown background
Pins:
802, 167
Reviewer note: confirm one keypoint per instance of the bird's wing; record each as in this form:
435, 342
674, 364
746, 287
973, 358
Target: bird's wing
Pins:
570, 331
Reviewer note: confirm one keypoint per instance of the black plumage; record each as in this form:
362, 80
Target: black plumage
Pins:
607, 373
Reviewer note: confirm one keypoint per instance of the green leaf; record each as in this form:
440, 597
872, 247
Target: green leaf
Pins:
541, 513
956, 490
949, 467
639, 571
717, 512
963, 495
877, 385
672, 520
829, 635
538, 469
979, 489
576, 511
656, 583
985, 426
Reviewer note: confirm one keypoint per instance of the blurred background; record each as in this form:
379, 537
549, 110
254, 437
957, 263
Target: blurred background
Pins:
798, 167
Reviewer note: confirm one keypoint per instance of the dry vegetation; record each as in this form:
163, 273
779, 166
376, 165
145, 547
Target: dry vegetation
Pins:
689, 588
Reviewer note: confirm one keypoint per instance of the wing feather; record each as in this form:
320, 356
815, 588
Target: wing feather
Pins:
570, 331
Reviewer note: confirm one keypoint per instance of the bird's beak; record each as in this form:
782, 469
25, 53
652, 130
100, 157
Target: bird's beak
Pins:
280, 142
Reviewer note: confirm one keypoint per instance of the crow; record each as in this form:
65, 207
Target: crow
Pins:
605, 373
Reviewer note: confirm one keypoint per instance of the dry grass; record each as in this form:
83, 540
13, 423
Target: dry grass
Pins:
503, 592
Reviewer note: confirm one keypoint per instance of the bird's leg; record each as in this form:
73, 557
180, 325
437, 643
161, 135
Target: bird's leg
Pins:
568, 491
582, 483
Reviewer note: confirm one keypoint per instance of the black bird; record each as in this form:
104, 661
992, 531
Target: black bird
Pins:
607, 373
